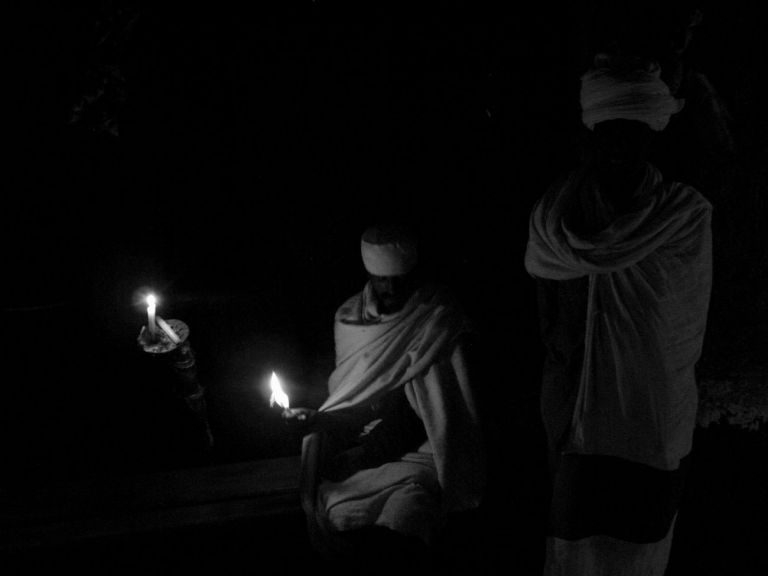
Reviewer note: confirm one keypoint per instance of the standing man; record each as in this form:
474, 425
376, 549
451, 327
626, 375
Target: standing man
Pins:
622, 260
401, 412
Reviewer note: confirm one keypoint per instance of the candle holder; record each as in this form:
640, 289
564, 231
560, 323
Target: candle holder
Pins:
162, 343
171, 345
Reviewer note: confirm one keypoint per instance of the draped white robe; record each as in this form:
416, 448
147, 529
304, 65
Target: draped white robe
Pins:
650, 275
420, 348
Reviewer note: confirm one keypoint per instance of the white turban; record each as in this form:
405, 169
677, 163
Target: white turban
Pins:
638, 94
388, 254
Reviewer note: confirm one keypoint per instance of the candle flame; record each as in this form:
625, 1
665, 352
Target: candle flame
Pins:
278, 397
151, 300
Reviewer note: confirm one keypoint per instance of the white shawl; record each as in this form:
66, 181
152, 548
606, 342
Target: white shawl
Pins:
378, 353
650, 274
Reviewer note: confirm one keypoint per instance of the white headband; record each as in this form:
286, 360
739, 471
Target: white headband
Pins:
392, 259
636, 95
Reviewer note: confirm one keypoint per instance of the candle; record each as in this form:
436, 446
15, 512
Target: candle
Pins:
168, 330
151, 305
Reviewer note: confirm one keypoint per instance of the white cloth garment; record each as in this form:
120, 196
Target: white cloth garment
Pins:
606, 556
393, 258
650, 274
420, 348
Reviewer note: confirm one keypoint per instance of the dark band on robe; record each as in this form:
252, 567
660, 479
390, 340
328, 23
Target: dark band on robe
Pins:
610, 496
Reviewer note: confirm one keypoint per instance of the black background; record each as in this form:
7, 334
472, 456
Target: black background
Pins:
255, 145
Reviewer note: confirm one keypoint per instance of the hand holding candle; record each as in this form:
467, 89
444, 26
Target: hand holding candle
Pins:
280, 398
303, 415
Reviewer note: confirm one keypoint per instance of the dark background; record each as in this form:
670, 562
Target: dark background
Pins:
229, 159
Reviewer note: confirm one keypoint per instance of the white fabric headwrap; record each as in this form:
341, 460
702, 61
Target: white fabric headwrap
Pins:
391, 259
635, 95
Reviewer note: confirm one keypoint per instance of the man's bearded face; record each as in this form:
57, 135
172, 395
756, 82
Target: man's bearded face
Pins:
392, 292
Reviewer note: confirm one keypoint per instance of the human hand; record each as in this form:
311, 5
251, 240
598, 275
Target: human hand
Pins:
299, 416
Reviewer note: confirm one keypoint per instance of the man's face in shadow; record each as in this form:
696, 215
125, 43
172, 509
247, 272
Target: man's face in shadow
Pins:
392, 292
621, 150
622, 145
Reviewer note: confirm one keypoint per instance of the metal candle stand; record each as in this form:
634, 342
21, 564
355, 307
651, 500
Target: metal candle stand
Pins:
186, 388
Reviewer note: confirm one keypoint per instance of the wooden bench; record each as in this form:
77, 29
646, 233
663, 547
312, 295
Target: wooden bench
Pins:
114, 506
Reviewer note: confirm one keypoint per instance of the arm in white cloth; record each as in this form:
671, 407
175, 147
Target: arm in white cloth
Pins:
444, 399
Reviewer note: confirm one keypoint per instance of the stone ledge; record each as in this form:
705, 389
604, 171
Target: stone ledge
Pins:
121, 506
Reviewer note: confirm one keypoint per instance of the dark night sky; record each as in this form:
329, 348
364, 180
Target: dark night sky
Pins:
254, 148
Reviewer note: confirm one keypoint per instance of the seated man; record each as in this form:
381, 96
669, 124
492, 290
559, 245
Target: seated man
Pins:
400, 414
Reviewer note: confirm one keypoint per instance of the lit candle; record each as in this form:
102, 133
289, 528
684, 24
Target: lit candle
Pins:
151, 305
278, 396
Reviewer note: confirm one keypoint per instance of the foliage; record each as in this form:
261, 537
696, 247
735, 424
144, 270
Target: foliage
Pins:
741, 402
103, 88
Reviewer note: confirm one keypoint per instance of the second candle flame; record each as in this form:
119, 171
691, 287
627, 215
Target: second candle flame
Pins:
278, 396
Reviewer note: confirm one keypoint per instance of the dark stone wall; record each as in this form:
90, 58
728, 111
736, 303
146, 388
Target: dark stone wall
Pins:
230, 158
